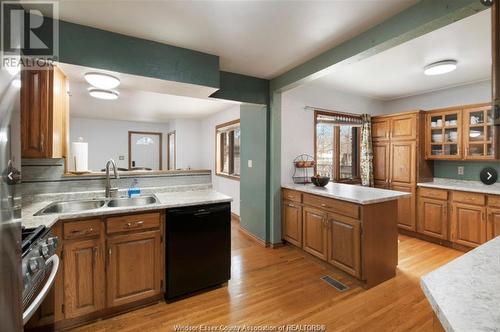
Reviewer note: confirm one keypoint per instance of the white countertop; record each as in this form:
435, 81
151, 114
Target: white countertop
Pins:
349, 192
465, 293
165, 200
462, 185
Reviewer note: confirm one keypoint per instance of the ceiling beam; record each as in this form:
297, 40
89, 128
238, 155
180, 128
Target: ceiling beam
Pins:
422, 18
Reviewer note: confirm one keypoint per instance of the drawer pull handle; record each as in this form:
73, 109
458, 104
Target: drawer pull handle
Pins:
291, 205
135, 224
82, 232
324, 205
291, 196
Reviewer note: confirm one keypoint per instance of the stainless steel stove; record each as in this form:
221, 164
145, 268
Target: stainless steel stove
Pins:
39, 267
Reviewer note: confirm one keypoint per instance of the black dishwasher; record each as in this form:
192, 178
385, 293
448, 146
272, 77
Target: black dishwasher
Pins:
198, 248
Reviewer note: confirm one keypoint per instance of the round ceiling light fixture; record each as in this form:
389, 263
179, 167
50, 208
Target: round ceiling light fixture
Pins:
440, 67
103, 94
102, 81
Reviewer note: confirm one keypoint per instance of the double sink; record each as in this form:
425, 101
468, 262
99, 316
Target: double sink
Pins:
93, 204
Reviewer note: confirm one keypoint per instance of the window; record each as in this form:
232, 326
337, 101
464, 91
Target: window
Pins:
337, 145
227, 154
171, 150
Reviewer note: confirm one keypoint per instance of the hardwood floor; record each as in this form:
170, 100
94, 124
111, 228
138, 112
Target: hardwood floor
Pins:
283, 286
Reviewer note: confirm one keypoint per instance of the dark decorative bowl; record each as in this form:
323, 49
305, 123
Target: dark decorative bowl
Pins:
320, 181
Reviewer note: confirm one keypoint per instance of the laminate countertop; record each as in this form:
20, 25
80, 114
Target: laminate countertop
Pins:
462, 185
350, 193
166, 200
465, 293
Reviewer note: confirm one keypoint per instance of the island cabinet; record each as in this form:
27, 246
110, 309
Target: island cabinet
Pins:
466, 219
108, 265
398, 159
360, 240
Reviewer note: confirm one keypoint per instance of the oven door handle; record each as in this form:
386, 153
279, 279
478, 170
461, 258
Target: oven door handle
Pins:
54, 259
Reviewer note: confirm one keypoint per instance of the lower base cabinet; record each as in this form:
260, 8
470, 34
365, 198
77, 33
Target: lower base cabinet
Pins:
292, 223
84, 273
468, 224
493, 223
344, 244
433, 217
315, 233
134, 267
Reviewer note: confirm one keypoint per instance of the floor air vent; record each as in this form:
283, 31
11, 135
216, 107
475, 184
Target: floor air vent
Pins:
335, 283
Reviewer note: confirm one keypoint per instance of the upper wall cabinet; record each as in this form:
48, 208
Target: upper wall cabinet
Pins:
44, 113
400, 127
479, 133
465, 133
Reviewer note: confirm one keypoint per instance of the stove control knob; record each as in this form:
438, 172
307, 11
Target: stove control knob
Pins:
53, 241
35, 264
47, 250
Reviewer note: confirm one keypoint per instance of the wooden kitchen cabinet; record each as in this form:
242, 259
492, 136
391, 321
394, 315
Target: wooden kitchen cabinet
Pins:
444, 134
403, 127
479, 133
468, 224
314, 232
381, 128
433, 217
406, 207
344, 244
403, 162
134, 267
292, 223
493, 224
84, 273
381, 164
44, 114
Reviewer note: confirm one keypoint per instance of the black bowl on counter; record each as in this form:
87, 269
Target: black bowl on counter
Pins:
320, 181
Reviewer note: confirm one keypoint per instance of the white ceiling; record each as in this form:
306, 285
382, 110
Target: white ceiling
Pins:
141, 99
398, 72
258, 38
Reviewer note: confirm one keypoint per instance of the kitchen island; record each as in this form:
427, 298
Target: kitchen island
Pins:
465, 293
351, 227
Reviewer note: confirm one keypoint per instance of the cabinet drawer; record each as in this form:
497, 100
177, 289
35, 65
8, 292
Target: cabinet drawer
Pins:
494, 200
292, 195
433, 193
82, 229
469, 198
333, 205
133, 222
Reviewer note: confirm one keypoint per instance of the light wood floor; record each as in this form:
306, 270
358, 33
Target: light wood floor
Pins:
283, 286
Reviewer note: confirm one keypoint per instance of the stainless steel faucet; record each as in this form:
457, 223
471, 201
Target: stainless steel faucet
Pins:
111, 192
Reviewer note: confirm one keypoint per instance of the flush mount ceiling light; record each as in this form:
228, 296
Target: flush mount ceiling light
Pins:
103, 94
440, 67
102, 81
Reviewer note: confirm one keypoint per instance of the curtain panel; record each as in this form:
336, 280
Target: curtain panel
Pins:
366, 158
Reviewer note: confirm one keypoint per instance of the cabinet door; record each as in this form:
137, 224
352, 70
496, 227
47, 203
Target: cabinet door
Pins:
381, 164
443, 137
493, 223
292, 223
314, 231
344, 249
135, 267
406, 208
404, 127
83, 277
468, 224
433, 218
403, 163
36, 126
380, 129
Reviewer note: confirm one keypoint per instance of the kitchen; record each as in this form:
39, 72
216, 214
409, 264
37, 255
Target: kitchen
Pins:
124, 239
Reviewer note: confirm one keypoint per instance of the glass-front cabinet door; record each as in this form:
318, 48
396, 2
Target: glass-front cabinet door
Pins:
444, 135
479, 133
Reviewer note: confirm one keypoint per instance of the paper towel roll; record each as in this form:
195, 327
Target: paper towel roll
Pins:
80, 156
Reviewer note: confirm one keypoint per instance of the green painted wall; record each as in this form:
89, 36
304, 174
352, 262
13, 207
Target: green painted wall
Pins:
243, 88
87, 46
448, 169
253, 181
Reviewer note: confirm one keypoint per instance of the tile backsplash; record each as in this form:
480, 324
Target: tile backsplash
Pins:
472, 169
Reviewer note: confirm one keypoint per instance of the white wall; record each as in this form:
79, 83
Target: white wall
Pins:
187, 140
224, 185
462, 95
109, 139
297, 124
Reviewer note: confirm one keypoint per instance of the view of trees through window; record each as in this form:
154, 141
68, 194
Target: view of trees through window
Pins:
337, 148
228, 144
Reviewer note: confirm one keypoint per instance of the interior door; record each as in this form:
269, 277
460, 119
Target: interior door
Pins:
145, 150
